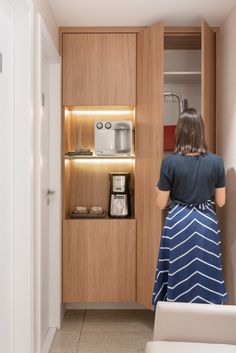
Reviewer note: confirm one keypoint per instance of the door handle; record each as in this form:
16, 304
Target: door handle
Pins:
51, 192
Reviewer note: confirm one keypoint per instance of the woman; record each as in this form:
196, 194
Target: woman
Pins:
189, 267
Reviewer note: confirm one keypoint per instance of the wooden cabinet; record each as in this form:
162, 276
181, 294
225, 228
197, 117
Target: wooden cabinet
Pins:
115, 260
99, 260
99, 69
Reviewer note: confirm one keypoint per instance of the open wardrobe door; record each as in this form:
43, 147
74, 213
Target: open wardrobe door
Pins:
208, 84
149, 152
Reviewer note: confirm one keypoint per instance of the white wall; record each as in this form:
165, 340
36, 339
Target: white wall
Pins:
16, 187
16, 319
6, 184
44, 8
227, 148
22, 178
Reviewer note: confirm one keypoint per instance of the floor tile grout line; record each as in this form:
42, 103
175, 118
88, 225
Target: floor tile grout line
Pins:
77, 348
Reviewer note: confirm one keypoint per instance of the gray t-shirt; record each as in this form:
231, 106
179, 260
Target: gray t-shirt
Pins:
192, 179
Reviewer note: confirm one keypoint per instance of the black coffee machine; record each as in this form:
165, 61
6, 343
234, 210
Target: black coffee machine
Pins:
119, 197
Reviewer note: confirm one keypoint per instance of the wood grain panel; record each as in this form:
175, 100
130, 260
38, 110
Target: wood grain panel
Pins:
183, 41
66, 166
66, 188
185, 30
89, 181
218, 90
149, 151
208, 84
99, 261
99, 69
83, 29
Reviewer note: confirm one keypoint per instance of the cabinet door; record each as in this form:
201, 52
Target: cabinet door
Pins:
99, 69
99, 260
208, 84
149, 151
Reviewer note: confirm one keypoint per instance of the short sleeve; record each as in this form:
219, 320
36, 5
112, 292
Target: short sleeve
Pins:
220, 180
165, 180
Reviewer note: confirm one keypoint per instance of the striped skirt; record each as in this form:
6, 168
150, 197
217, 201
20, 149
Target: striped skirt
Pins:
189, 267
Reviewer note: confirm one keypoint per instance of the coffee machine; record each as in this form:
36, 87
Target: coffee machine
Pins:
119, 196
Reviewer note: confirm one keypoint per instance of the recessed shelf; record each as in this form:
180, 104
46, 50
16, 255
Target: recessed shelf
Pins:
101, 110
100, 219
99, 157
182, 76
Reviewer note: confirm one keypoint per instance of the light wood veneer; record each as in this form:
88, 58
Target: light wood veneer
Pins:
149, 152
99, 69
208, 87
99, 260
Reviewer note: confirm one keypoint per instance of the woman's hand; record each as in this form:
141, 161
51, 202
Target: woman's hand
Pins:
162, 198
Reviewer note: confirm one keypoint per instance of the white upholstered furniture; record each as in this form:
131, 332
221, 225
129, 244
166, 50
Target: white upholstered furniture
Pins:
193, 328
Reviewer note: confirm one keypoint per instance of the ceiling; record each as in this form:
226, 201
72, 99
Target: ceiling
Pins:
139, 12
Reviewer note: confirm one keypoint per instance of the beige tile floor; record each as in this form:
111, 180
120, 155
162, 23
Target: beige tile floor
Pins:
104, 331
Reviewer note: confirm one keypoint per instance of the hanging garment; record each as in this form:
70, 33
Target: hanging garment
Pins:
189, 267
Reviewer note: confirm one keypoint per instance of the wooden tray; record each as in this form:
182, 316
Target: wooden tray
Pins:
87, 215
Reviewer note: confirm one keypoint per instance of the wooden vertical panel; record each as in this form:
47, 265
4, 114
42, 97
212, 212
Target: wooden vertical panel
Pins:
66, 167
218, 88
149, 151
99, 258
99, 69
208, 88
67, 188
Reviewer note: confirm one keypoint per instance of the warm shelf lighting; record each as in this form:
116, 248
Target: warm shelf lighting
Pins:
103, 161
67, 113
102, 112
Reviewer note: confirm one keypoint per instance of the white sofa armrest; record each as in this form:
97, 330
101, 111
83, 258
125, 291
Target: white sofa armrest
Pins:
189, 322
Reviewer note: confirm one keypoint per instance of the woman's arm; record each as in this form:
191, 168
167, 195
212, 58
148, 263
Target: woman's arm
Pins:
162, 198
220, 196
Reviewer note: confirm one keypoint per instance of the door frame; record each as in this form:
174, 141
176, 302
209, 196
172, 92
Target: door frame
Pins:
45, 46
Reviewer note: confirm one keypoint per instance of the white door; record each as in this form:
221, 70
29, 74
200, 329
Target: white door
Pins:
6, 177
48, 183
45, 202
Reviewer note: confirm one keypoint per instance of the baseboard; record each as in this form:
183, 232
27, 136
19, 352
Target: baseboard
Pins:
48, 339
103, 306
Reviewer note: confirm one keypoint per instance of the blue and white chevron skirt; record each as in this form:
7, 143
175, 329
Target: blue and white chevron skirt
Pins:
189, 267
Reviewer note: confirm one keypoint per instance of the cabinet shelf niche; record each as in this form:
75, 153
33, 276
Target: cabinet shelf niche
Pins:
105, 158
184, 77
105, 219
86, 177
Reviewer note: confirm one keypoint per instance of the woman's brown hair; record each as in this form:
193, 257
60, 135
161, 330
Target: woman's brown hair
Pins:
190, 133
